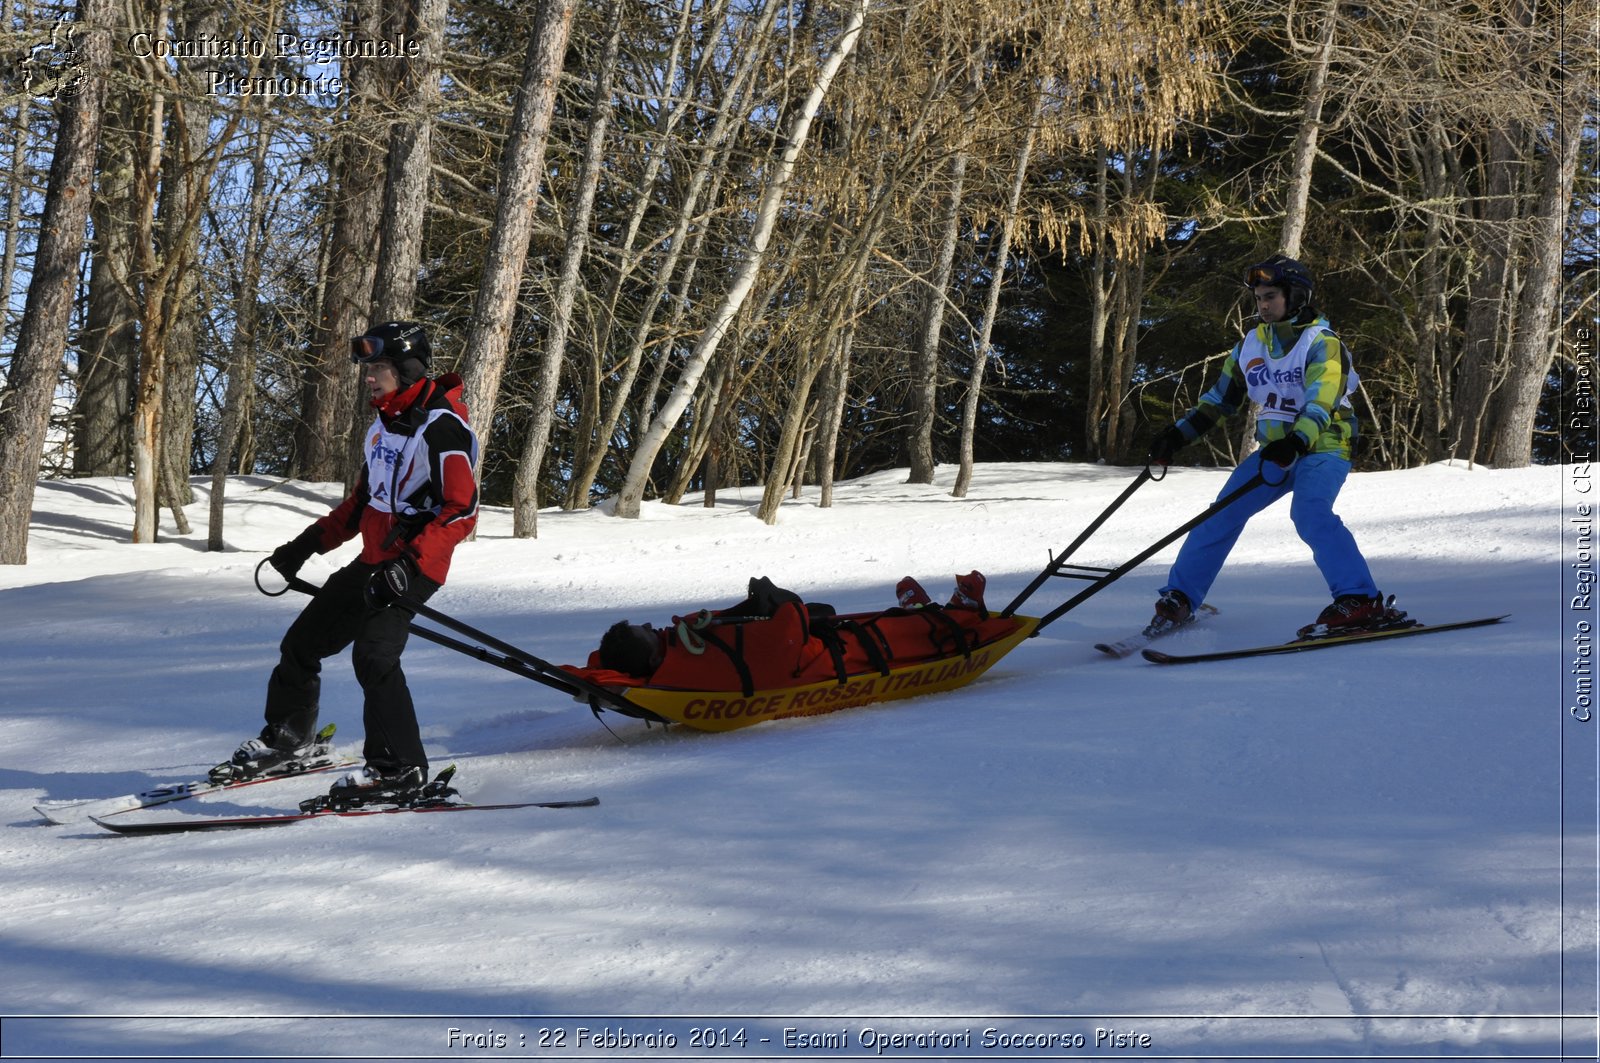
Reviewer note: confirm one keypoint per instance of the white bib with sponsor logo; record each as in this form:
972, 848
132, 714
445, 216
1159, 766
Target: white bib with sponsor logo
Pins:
1277, 386
398, 468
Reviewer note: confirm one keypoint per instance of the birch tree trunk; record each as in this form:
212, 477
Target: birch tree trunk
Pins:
1518, 398
710, 163
525, 486
632, 494
1100, 285
925, 365
242, 352
521, 171
789, 453
842, 299
591, 442
1303, 154
47, 313
836, 392
836, 377
997, 275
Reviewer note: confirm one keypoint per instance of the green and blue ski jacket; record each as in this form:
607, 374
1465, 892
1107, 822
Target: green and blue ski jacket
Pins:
1300, 380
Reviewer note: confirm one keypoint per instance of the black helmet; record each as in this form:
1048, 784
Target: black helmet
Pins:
1281, 271
396, 341
405, 343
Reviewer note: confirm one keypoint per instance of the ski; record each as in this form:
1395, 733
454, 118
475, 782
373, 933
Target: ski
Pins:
1157, 657
69, 812
1155, 629
190, 824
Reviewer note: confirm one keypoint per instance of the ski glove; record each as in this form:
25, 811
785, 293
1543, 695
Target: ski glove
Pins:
1166, 444
289, 558
1283, 452
391, 582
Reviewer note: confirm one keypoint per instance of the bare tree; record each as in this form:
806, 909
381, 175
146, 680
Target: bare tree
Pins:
164, 257
355, 203
47, 314
405, 196
1454, 110
1537, 335
109, 348
997, 274
711, 160
925, 361
843, 286
1490, 298
185, 178
1303, 154
525, 498
632, 493
521, 170
668, 108
241, 362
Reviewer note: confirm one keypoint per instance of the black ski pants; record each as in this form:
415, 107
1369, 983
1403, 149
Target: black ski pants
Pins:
339, 616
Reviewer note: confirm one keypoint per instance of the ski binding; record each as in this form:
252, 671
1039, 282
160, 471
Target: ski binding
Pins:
1157, 628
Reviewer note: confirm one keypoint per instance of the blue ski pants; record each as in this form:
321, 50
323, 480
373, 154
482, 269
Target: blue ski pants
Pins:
1313, 482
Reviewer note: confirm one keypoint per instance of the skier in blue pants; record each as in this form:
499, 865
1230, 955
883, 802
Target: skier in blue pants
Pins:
1298, 375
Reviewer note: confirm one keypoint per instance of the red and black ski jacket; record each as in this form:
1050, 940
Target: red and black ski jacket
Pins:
417, 496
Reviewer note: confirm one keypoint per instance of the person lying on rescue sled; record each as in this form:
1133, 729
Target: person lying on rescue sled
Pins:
774, 639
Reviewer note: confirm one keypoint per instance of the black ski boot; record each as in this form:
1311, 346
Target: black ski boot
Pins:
274, 752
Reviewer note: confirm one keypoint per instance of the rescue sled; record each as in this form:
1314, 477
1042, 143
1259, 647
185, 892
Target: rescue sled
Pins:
725, 710
794, 664
766, 668
831, 665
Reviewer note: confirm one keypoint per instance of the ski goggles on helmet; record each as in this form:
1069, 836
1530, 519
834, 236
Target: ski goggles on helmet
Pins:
365, 349
1278, 271
1258, 275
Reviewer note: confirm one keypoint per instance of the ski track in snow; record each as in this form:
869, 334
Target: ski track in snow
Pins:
1354, 834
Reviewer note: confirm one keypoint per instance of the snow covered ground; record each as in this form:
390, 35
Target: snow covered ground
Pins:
1383, 851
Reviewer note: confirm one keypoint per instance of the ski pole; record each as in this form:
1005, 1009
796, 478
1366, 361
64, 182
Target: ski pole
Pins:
1117, 573
1058, 563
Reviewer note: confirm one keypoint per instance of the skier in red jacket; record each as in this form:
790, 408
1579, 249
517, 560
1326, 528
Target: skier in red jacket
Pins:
416, 499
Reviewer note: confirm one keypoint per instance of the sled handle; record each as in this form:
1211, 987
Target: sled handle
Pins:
1060, 561
1144, 555
501, 654
288, 584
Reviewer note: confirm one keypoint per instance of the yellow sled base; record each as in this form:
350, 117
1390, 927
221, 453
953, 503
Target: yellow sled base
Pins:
729, 710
